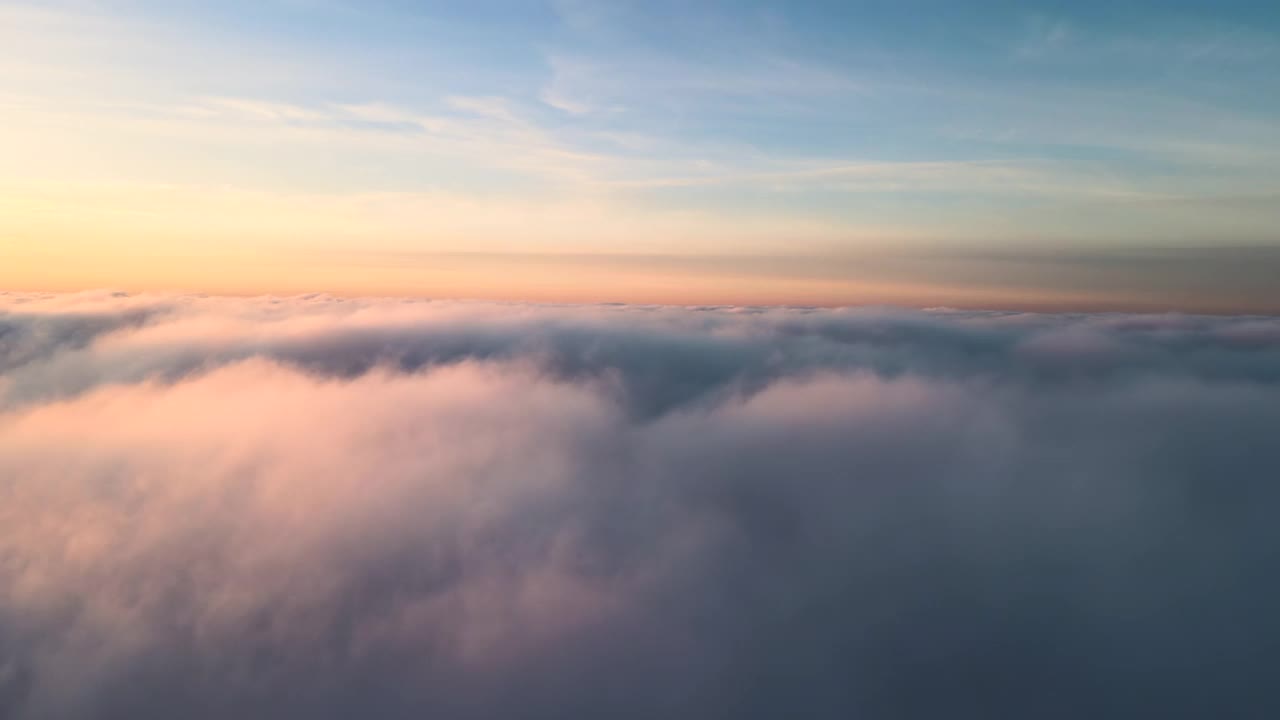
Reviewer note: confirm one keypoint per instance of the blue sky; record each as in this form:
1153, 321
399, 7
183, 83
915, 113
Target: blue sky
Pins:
656, 128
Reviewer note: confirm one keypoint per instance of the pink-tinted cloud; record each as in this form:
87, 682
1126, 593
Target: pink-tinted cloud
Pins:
313, 507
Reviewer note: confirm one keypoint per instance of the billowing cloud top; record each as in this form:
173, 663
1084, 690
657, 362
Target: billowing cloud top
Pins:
316, 507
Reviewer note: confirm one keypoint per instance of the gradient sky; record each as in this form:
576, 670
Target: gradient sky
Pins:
1053, 154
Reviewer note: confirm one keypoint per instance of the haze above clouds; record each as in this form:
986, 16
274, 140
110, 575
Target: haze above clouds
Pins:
316, 507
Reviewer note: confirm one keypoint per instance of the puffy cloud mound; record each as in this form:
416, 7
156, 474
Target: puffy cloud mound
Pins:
325, 508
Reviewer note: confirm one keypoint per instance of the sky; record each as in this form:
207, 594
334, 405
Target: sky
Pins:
728, 360
1036, 155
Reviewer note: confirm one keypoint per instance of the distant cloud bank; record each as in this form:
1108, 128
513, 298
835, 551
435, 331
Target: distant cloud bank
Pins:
318, 507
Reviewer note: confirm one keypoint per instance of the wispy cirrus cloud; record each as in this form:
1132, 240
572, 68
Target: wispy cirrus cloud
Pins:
1174, 45
696, 128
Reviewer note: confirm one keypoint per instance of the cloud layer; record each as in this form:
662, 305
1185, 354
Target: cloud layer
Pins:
314, 507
